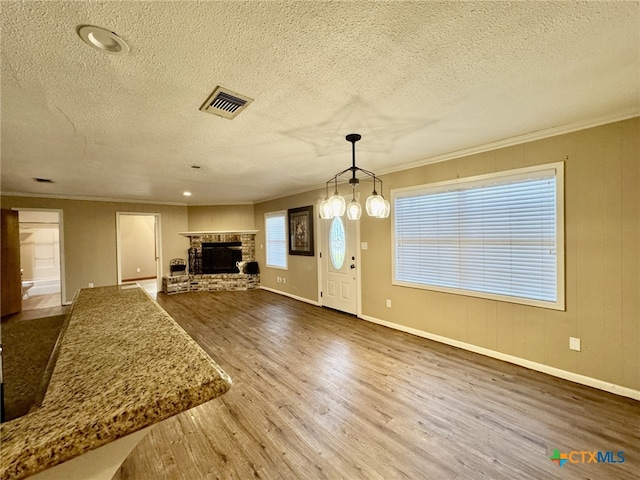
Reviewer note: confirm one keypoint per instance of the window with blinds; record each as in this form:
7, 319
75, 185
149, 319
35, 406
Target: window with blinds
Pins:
276, 239
498, 236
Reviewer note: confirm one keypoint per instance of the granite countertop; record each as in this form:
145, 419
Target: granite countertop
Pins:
122, 364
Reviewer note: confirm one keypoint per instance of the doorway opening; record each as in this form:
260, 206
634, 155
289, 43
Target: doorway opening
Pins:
41, 255
138, 250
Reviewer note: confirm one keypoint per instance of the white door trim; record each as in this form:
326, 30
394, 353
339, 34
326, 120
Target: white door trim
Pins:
63, 279
322, 230
319, 232
158, 245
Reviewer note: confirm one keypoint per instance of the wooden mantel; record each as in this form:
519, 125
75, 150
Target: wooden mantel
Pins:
218, 232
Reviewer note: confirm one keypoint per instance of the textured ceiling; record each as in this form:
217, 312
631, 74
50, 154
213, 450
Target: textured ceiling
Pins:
418, 80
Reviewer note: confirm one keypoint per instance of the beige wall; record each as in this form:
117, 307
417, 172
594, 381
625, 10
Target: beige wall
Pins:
221, 218
602, 235
302, 271
137, 247
89, 235
602, 216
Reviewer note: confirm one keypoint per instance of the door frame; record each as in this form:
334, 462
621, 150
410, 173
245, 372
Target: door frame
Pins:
63, 278
323, 231
158, 244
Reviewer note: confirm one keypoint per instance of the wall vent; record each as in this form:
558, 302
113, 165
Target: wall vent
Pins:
225, 103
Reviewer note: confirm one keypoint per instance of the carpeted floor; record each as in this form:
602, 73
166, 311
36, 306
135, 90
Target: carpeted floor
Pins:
26, 348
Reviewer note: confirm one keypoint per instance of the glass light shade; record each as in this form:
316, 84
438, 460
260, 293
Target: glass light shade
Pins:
386, 211
375, 205
354, 210
325, 209
338, 205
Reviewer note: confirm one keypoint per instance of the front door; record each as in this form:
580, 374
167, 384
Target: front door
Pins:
338, 264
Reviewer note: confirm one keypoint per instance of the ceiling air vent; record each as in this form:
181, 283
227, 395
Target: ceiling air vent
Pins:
225, 103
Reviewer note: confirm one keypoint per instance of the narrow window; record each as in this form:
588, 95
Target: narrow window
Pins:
276, 238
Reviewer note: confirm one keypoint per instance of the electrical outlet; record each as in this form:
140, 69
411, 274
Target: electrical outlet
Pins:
388, 303
574, 344
284, 280
138, 269
90, 284
364, 245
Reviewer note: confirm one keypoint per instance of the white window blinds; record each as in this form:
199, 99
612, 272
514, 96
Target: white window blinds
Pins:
276, 237
493, 236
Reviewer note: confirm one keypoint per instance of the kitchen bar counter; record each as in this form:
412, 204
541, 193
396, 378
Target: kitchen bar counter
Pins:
123, 364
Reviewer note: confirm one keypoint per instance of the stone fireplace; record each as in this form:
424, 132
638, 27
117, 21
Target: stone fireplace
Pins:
211, 261
241, 246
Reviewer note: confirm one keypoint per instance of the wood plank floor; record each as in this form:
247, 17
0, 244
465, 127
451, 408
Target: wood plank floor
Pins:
322, 395
39, 302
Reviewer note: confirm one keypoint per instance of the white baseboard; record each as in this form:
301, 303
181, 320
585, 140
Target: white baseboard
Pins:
540, 367
302, 299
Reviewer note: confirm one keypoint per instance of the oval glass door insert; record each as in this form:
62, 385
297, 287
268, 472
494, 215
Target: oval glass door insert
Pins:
337, 243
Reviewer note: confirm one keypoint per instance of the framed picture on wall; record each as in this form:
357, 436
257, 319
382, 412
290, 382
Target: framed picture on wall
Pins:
301, 231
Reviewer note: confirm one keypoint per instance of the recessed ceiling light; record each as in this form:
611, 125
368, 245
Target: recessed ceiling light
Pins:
103, 40
186, 194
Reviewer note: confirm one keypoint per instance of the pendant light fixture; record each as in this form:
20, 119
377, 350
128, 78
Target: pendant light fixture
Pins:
375, 203
335, 206
354, 210
336, 202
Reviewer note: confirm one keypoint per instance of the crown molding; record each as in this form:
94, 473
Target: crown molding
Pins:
89, 199
519, 140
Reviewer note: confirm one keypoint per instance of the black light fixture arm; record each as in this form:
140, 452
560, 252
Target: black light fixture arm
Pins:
335, 206
354, 180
